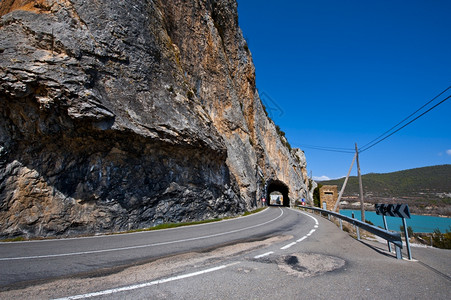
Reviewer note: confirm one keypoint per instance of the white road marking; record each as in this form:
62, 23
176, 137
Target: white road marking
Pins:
106, 235
288, 246
301, 239
147, 284
264, 254
139, 246
305, 236
314, 219
311, 231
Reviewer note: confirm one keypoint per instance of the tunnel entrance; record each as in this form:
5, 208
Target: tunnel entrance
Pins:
277, 193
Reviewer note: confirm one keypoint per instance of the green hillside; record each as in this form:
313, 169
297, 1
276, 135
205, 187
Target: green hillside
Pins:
428, 183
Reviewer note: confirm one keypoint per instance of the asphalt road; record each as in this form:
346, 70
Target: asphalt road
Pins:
278, 253
23, 262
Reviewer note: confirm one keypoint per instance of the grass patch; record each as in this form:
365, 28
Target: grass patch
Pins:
157, 227
171, 225
16, 239
175, 225
247, 213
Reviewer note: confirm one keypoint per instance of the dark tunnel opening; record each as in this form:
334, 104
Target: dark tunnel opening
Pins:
273, 187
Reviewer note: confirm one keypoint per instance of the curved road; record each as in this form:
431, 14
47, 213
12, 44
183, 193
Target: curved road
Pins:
278, 253
33, 261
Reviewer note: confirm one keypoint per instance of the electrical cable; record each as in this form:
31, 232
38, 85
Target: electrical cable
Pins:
374, 144
406, 118
330, 149
383, 136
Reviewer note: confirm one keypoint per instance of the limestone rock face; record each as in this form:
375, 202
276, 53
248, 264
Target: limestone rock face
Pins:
118, 115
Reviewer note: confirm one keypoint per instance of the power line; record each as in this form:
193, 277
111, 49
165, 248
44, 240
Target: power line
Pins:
383, 136
405, 119
330, 149
374, 144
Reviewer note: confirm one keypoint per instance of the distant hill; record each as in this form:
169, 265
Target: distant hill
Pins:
427, 187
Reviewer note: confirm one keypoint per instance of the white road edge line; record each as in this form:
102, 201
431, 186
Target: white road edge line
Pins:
311, 232
140, 246
301, 239
143, 285
264, 254
288, 246
316, 221
128, 233
308, 234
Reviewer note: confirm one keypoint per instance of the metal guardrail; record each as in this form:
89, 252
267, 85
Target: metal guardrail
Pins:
393, 237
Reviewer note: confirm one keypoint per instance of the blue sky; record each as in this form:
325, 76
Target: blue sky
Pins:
336, 73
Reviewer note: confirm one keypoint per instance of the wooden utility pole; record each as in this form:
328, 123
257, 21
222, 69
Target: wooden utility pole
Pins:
362, 207
344, 185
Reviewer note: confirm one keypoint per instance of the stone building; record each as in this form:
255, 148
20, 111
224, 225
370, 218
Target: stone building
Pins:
328, 195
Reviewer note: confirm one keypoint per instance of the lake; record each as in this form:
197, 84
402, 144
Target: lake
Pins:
417, 222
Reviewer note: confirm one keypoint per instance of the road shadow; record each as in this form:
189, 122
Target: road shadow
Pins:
380, 250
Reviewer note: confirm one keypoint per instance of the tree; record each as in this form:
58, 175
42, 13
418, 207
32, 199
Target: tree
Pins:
316, 196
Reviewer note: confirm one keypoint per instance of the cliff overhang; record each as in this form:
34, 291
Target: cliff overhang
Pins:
126, 115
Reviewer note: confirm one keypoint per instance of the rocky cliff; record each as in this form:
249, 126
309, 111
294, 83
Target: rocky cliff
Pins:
126, 114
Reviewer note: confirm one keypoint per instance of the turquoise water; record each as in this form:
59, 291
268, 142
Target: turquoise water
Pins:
417, 222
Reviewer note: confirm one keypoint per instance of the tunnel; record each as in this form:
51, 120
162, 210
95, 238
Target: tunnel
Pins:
275, 186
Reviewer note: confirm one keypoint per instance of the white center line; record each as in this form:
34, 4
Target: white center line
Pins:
147, 284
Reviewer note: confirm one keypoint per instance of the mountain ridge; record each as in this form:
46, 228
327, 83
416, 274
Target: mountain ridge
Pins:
425, 189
